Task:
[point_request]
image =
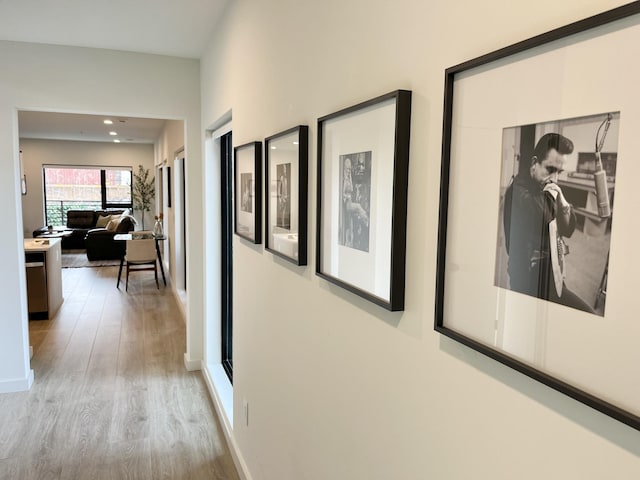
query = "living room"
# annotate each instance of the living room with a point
(83, 146)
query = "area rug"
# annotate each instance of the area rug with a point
(78, 259)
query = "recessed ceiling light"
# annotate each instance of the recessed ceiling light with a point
(116, 140)
(296, 143)
(108, 122)
(273, 147)
(113, 133)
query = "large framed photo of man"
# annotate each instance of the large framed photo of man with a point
(363, 161)
(286, 156)
(248, 191)
(537, 235)
(557, 185)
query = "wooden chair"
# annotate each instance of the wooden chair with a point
(141, 255)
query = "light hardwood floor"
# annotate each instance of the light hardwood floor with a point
(111, 397)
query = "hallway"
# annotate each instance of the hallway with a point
(111, 397)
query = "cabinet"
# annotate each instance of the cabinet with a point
(43, 263)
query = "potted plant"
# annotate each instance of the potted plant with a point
(143, 191)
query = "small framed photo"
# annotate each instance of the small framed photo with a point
(533, 270)
(248, 191)
(363, 164)
(169, 192)
(286, 159)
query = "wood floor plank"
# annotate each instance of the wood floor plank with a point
(30, 468)
(130, 460)
(130, 418)
(111, 397)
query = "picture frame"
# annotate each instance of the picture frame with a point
(532, 135)
(247, 173)
(286, 157)
(169, 190)
(363, 165)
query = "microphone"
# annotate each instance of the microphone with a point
(602, 192)
(600, 176)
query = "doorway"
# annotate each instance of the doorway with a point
(180, 224)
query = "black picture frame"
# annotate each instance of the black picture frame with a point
(363, 167)
(247, 174)
(286, 158)
(470, 308)
(169, 191)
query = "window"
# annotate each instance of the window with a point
(226, 161)
(84, 188)
(117, 188)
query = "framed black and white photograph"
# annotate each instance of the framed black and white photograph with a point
(539, 152)
(248, 191)
(355, 177)
(286, 170)
(363, 164)
(556, 209)
(169, 190)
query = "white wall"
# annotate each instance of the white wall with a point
(171, 141)
(36, 153)
(338, 388)
(83, 80)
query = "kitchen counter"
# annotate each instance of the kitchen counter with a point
(43, 262)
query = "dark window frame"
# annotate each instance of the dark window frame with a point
(226, 253)
(104, 203)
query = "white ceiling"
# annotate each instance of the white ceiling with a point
(166, 27)
(88, 128)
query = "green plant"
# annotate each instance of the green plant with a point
(143, 191)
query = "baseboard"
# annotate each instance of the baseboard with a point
(180, 301)
(20, 385)
(227, 428)
(192, 365)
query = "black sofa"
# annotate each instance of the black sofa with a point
(100, 243)
(79, 222)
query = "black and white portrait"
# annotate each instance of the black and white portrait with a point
(283, 173)
(355, 200)
(246, 192)
(556, 207)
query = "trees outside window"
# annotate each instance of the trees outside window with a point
(84, 188)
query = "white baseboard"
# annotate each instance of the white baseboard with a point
(223, 402)
(19, 385)
(192, 365)
(181, 300)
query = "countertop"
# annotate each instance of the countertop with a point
(39, 244)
